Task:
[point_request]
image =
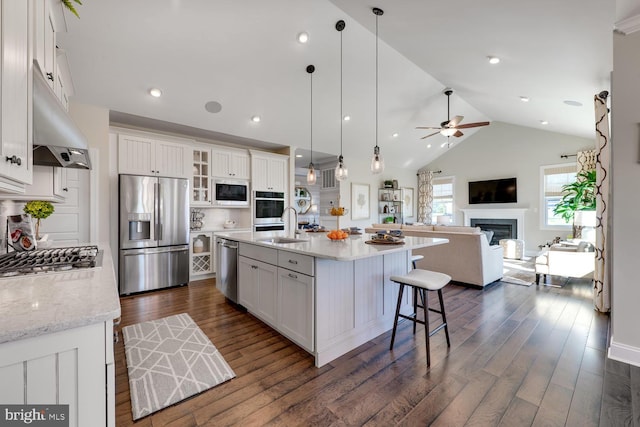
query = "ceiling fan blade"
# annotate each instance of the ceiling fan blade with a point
(431, 134)
(458, 134)
(472, 125)
(454, 122)
(427, 127)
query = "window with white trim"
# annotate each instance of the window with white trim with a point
(442, 198)
(552, 179)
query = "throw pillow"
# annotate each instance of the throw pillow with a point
(489, 234)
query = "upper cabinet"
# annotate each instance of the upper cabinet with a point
(201, 162)
(269, 171)
(146, 156)
(228, 163)
(44, 43)
(15, 87)
(49, 183)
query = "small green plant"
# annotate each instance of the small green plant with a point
(579, 196)
(69, 5)
(38, 209)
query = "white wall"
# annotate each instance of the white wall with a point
(625, 116)
(503, 150)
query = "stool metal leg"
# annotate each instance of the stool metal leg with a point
(415, 307)
(395, 322)
(444, 317)
(425, 305)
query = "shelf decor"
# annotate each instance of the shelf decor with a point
(360, 206)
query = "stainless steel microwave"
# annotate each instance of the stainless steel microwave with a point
(230, 193)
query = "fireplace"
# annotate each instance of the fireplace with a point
(503, 228)
(513, 216)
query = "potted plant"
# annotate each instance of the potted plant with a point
(388, 184)
(580, 195)
(38, 209)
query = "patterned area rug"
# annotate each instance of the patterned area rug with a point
(169, 360)
(519, 271)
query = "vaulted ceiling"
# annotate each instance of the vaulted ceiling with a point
(245, 56)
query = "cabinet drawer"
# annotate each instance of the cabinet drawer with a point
(296, 262)
(268, 255)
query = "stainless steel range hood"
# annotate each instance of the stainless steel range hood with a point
(57, 141)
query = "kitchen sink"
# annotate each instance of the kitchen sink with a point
(282, 240)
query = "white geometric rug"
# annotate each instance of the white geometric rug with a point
(169, 360)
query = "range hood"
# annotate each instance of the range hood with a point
(57, 141)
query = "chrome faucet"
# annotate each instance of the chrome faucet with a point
(296, 216)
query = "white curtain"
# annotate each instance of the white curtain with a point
(425, 196)
(602, 282)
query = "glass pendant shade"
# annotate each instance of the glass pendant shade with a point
(448, 131)
(341, 170)
(377, 162)
(311, 175)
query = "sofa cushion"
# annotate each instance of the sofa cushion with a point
(456, 229)
(489, 234)
(389, 226)
(417, 227)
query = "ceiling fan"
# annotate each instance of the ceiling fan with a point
(451, 127)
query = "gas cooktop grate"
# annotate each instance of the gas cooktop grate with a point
(48, 260)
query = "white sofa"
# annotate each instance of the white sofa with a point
(575, 259)
(467, 258)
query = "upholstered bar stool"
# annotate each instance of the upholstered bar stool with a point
(423, 281)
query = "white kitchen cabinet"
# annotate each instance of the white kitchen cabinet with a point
(202, 251)
(228, 163)
(73, 367)
(200, 182)
(295, 307)
(139, 155)
(49, 183)
(258, 289)
(269, 171)
(15, 88)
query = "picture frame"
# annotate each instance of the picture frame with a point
(360, 201)
(407, 201)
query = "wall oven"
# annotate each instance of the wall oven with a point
(230, 193)
(268, 207)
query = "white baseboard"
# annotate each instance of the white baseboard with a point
(624, 353)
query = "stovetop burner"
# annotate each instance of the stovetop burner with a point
(48, 260)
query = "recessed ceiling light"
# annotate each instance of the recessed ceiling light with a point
(493, 60)
(255, 119)
(573, 103)
(298, 155)
(428, 145)
(395, 134)
(346, 118)
(544, 122)
(303, 37)
(155, 92)
(524, 98)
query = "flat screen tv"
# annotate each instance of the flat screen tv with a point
(493, 191)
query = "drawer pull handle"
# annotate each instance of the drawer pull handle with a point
(14, 159)
(293, 276)
(254, 266)
(293, 261)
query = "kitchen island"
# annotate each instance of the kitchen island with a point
(56, 341)
(328, 297)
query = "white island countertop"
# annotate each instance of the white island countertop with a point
(320, 246)
(43, 303)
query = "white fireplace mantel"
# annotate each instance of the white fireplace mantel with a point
(485, 213)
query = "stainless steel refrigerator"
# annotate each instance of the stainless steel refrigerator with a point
(154, 233)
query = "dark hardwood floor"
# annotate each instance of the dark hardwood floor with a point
(519, 356)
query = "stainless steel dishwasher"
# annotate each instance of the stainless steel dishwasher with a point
(227, 273)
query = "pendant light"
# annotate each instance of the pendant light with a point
(341, 170)
(311, 173)
(377, 162)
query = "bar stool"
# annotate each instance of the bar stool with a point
(423, 281)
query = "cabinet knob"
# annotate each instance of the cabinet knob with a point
(14, 159)
(65, 189)
(50, 76)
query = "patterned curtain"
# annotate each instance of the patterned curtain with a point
(586, 160)
(602, 274)
(425, 196)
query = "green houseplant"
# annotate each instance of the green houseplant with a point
(580, 195)
(69, 5)
(38, 209)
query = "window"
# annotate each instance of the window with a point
(552, 180)
(442, 198)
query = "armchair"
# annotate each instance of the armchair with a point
(566, 259)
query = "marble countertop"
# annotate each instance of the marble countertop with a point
(50, 302)
(319, 245)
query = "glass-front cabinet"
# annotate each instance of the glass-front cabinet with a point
(200, 182)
